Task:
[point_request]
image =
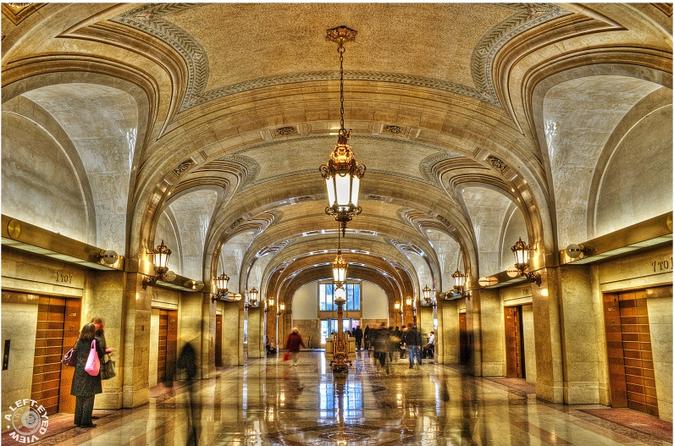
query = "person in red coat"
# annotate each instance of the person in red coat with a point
(293, 344)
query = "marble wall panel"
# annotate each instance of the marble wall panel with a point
(637, 270)
(374, 301)
(660, 320)
(19, 325)
(305, 302)
(310, 329)
(31, 273)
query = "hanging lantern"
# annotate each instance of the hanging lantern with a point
(339, 267)
(342, 173)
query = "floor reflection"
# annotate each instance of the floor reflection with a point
(271, 403)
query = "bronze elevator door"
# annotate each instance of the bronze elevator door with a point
(514, 341)
(168, 340)
(629, 352)
(218, 340)
(57, 330)
(464, 341)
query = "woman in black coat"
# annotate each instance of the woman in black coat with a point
(85, 387)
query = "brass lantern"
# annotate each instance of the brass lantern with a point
(222, 283)
(339, 267)
(160, 257)
(252, 297)
(427, 293)
(459, 280)
(342, 173)
(521, 251)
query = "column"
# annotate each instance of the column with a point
(492, 333)
(191, 316)
(232, 337)
(104, 299)
(447, 336)
(547, 336)
(473, 326)
(425, 320)
(134, 360)
(255, 337)
(579, 319)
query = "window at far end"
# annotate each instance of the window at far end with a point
(326, 297)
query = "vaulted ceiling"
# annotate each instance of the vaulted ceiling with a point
(225, 111)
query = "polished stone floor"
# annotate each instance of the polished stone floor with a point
(268, 402)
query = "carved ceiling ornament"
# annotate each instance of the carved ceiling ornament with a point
(497, 163)
(149, 19)
(183, 167)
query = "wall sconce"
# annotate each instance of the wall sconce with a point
(459, 282)
(222, 291)
(427, 294)
(281, 308)
(252, 301)
(397, 307)
(521, 252)
(160, 257)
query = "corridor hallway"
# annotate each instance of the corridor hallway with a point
(268, 402)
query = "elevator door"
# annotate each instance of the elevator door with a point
(168, 339)
(57, 330)
(464, 341)
(514, 342)
(218, 340)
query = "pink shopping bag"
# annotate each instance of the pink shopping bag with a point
(93, 366)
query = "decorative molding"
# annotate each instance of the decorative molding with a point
(18, 12)
(497, 163)
(148, 18)
(183, 167)
(666, 8)
(527, 16)
(428, 165)
(393, 129)
(286, 131)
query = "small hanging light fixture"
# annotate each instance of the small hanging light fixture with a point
(339, 265)
(342, 173)
(160, 257)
